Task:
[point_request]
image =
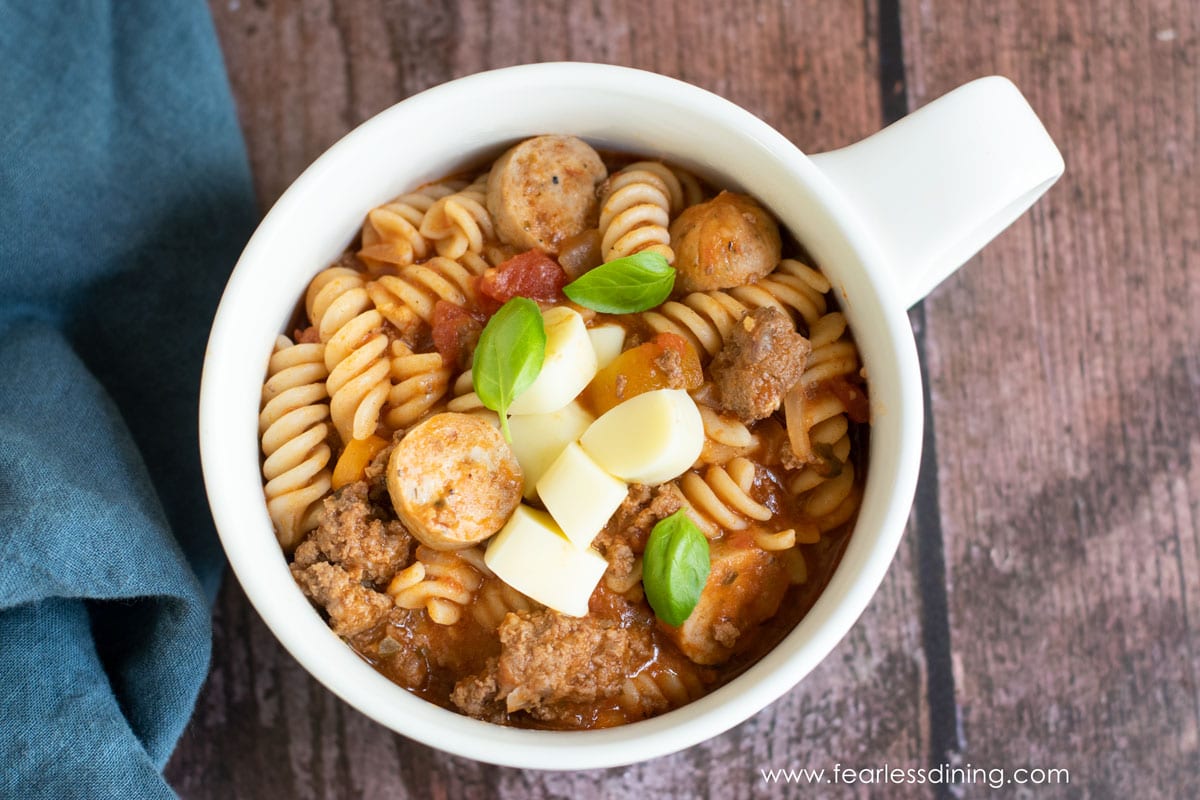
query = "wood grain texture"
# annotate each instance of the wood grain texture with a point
(1065, 384)
(1042, 611)
(305, 73)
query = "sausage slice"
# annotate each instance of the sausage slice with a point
(453, 481)
(543, 191)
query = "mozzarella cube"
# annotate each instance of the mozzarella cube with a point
(533, 556)
(607, 341)
(569, 364)
(579, 495)
(650, 438)
(538, 439)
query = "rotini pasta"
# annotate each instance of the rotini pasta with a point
(496, 600)
(460, 222)
(706, 318)
(293, 433)
(635, 211)
(391, 234)
(725, 437)
(419, 382)
(355, 350)
(441, 583)
(807, 404)
(721, 499)
(406, 300)
(653, 691)
(465, 401)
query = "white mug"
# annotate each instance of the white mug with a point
(885, 219)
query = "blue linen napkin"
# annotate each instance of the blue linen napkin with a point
(125, 198)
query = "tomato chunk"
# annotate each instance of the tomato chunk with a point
(853, 397)
(455, 333)
(532, 274)
(665, 362)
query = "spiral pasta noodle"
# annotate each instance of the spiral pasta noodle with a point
(818, 427)
(441, 583)
(706, 318)
(807, 404)
(725, 437)
(496, 600)
(636, 210)
(406, 300)
(418, 383)
(391, 234)
(721, 498)
(658, 689)
(355, 350)
(293, 434)
(465, 401)
(460, 222)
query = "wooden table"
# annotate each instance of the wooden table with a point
(1044, 608)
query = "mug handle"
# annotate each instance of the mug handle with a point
(936, 186)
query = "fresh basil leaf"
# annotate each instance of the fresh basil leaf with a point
(625, 285)
(509, 356)
(675, 568)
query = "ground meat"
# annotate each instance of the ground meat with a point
(642, 508)
(375, 474)
(670, 364)
(353, 535)
(476, 696)
(547, 658)
(352, 607)
(762, 359)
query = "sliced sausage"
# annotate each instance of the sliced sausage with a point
(543, 190)
(453, 481)
(745, 587)
(725, 242)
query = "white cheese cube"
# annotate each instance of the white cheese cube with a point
(607, 341)
(533, 556)
(650, 438)
(538, 439)
(569, 365)
(580, 495)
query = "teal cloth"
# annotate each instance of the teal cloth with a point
(125, 199)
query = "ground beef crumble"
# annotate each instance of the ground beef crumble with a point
(547, 658)
(353, 533)
(349, 558)
(762, 358)
(641, 509)
(352, 607)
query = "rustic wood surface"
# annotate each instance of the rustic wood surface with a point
(1042, 610)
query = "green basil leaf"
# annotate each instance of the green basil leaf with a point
(629, 284)
(509, 356)
(675, 568)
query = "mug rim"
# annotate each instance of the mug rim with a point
(328, 659)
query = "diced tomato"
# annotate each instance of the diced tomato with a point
(532, 274)
(853, 397)
(455, 333)
(665, 362)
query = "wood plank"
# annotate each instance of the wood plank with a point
(303, 74)
(1065, 377)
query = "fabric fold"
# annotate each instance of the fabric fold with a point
(125, 198)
